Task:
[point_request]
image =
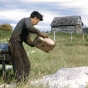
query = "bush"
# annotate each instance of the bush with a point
(6, 27)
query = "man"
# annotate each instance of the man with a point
(21, 33)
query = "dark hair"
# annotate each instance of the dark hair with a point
(37, 15)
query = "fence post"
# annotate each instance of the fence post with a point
(54, 35)
(71, 37)
(83, 37)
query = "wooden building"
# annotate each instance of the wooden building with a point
(67, 24)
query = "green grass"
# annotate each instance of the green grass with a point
(66, 54)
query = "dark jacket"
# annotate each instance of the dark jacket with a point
(23, 30)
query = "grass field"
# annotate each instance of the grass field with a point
(65, 54)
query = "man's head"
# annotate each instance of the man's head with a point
(36, 17)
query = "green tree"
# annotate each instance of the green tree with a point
(6, 27)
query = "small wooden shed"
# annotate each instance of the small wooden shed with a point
(67, 24)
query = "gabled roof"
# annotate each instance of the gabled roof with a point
(68, 20)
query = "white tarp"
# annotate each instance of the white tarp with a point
(66, 78)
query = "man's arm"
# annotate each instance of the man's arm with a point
(33, 29)
(36, 31)
(29, 42)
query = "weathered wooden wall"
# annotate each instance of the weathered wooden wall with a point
(68, 29)
(64, 29)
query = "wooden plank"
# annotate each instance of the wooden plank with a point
(3, 60)
(4, 70)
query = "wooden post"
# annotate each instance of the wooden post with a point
(71, 37)
(83, 37)
(54, 35)
(3, 68)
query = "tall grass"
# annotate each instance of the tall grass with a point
(66, 54)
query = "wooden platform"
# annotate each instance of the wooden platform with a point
(5, 57)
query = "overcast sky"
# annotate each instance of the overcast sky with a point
(11, 11)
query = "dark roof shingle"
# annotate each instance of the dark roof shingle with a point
(68, 20)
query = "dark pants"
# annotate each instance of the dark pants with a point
(20, 61)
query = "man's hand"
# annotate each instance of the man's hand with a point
(44, 35)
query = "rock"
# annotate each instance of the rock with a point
(66, 78)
